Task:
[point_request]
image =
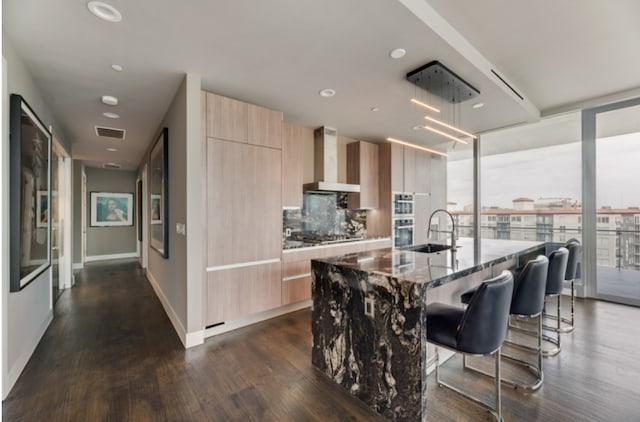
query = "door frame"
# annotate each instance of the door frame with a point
(589, 206)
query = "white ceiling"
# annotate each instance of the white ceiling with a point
(280, 53)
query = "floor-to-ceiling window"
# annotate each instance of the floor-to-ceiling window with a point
(612, 141)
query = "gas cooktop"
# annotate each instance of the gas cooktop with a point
(325, 239)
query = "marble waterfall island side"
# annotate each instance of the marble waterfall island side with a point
(368, 320)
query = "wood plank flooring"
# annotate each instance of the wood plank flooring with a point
(111, 354)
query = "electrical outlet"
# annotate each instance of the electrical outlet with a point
(369, 306)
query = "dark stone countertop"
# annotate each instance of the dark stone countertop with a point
(297, 244)
(435, 268)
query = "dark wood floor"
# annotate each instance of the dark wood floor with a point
(111, 354)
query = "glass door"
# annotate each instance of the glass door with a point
(612, 257)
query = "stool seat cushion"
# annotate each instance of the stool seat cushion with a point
(442, 324)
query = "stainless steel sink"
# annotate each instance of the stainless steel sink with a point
(428, 248)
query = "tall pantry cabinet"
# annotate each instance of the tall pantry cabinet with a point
(243, 208)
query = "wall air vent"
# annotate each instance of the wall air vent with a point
(508, 86)
(109, 132)
(111, 166)
(437, 79)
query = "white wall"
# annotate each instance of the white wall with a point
(25, 314)
(178, 279)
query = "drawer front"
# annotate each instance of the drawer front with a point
(296, 289)
(293, 269)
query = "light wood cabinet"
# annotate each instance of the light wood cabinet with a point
(296, 266)
(227, 118)
(238, 292)
(422, 211)
(409, 170)
(396, 153)
(422, 172)
(244, 210)
(265, 127)
(293, 138)
(362, 169)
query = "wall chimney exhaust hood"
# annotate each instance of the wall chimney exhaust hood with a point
(326, 164)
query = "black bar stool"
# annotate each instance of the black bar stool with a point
(558, 261)
(527, 303)
(575, 248)
(479, 329)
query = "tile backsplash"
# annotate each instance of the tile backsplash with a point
(325, 214)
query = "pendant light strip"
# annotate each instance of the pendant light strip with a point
(446, 135)
(433, 151)
(425, 105)
(450, 127)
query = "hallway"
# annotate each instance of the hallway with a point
(111, 354)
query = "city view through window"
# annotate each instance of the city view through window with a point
(535, 194)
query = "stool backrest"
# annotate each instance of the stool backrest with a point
(529, 287)
(574, 248)
(557, 269)
(484, 324)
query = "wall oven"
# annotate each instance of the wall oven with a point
(402, 232)
(402, 204)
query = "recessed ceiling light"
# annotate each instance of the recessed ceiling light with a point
(397, 53)
(417, 127)
(116, 67)
(374, 109)
(112, 149)
(111, 115)
(327, 92)
(109, 100)
(104, 11)
(478, 105)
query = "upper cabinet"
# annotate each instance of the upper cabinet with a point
(422, 172)
(362, 169)
(410, 169)
(227, 118)
(233, 120)
(265, 127)
(293, 138)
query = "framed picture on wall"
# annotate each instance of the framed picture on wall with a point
(42, 207)
(111, 209)
(29, 195)
(156, 209)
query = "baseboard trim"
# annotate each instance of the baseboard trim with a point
(188, 339)
(23, 359)
(112, 256)
(256, 318)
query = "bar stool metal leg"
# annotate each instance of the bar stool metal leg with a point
(497, 411)
(536, 370)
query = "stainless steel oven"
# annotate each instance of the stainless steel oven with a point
(402, 205)
(402, 232)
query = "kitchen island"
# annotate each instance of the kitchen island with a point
(368, 319)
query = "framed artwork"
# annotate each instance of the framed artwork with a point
(111, 209)
(159, 194)
(139, 208)
(156, 209)
(42, 207)
(29, 193)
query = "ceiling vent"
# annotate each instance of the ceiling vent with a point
(109, 132)
(111, 166)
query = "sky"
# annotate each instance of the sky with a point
(552, 172)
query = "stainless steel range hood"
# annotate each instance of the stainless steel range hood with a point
(326, 164)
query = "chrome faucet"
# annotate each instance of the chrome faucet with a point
(453, 227)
